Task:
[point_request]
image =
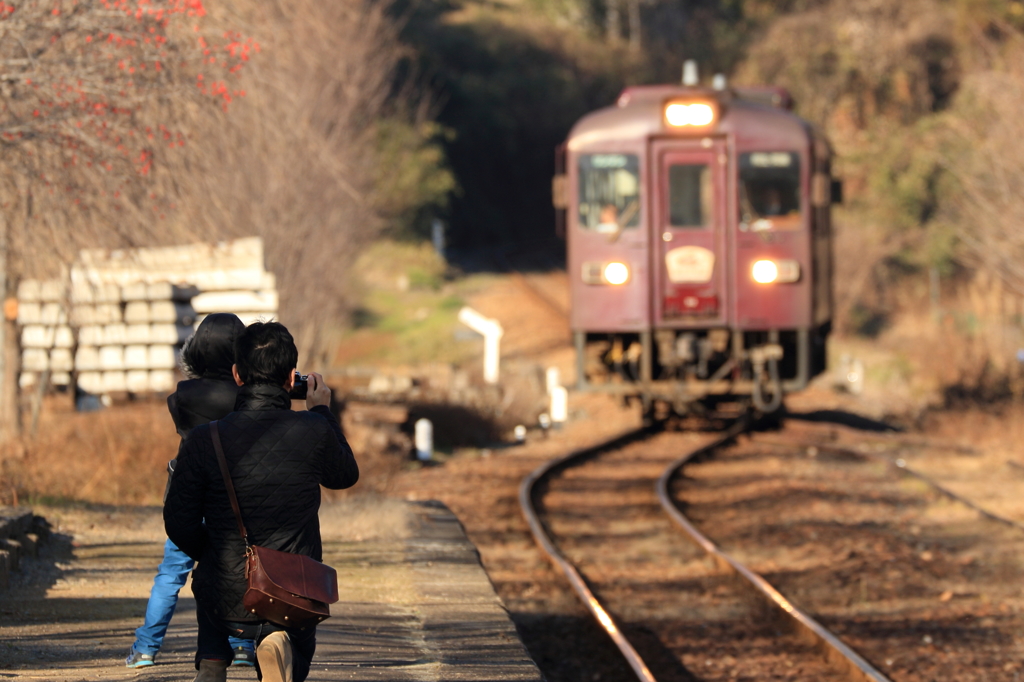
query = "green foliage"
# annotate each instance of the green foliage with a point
(881, 79)
(424, 279)
(512, 82)
(511, 78)
(918, 146)
(906, 183)
(452, 302)
(412, 177)
(866, 321)
(409, 310)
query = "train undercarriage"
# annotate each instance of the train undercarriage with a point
(698, 372)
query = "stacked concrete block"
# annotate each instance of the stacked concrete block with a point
(119, 329)
(139, 352)
(121, 317)
(46, 337)
(223, 277)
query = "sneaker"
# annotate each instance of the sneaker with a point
(275, 656)
(137, 659)
(244, 656)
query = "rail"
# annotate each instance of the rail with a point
(836, 651)
(901, 465)
(579, 584)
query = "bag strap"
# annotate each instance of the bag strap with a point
(219, 449)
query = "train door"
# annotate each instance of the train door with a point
(689, 240)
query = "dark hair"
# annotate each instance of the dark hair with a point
(210, 351)
(265, 353)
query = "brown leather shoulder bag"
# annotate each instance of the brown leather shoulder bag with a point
(288, 589)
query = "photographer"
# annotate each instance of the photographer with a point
(278, 460)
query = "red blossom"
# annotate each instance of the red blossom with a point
(94, 112)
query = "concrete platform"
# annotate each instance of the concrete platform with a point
(440, 620)
(417, 608)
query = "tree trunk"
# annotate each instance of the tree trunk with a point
(5, 406)
(634, 25)
(612, 21)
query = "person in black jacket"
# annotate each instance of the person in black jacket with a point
(278, 460)
(206, 358)
(209, 393)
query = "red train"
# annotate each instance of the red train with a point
(699, 247)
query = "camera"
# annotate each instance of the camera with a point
(300, 387)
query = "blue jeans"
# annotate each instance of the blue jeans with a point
(170, 578)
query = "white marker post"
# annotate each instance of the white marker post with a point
(424, 437)
(492, 333)
(559, 405)
(520, 433)
(552, 379)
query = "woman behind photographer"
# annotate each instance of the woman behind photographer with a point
(208, 394)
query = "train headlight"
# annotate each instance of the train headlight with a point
(603, 272)
(770, 271)
(616, 273)
(696, 114)
(765, 271)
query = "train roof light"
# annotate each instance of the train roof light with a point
(690, 114)
(690, 75)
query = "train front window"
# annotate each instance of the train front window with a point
(609, 192)
(769, 191)
(689, 195)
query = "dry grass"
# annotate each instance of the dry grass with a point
(116, 456)
(119, 457)
(364, 517)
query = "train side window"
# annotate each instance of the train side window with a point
(609, 192)
(689, 195)
(769, 191)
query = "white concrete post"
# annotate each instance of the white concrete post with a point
(855, 377)
(559, 405)
(424, 440)
(552, 379)
(492, 333)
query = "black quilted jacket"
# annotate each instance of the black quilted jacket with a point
(208, 355)
(278, 460)
(200, 401)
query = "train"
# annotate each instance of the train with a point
(698, 237)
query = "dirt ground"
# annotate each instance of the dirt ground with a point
(71, 613)
(924, 587)
(974, 452)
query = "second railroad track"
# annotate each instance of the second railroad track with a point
(635, 524)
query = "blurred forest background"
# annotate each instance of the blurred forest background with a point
(355, 124)
(363, 120)
(921, 100)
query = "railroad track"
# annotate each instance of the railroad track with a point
(845, 662)
(901, 465)
(579, 584)
(546, 492)
(835, 650)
